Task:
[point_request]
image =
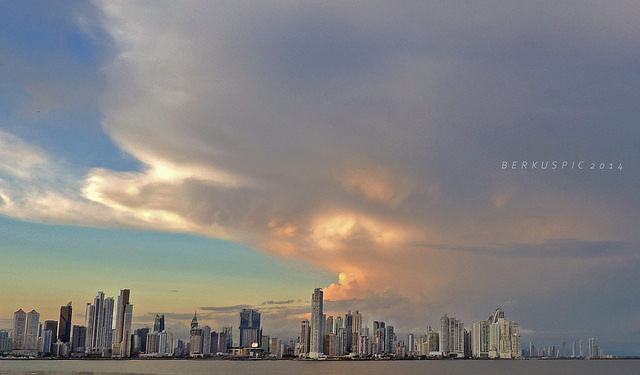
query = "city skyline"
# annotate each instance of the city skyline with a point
(326, 336)
(410, 160)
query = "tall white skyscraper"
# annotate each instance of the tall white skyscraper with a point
(98, 320)
(315, 347)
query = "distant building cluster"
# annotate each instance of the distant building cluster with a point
(105, 335)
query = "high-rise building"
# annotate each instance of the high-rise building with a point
(5, 341)
(195, 337)
(44, 341)
(480, 339)
(19, 327)
(305, 337)
(206, 340)
(31, 332)
(316, 344)
(214, 343)
(356, 329)
(153, 343)
(411, 344)
(228, 334)
(99, 321)
(79, 340)
(275, 346)
(379, 339)
(348, 325)
(165, 344)
(124, 312)
(195, 342)
(158, 324)
(391, 339)
(223, 340)
(451, 337)
(51, 325)
(64, 325)
(249, 328)
(592, 348)
(496, 337)
(140, 340)
(341, 341)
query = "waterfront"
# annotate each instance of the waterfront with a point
(265, 367)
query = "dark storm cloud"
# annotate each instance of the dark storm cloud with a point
(342, 134)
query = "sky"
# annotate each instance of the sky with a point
(406, 157)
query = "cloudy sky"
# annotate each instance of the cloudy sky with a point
(219, 155)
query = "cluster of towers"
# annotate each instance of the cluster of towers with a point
(336, 336)
(97, 337)
(496, 337)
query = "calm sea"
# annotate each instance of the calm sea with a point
(198, 367)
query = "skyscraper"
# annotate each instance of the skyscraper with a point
(98, 321)
(52, 326)
(158, 324)
(315, 347)
(451, 337)
(122, 341)
(390, 338)
(19, 326)
(64, 325)
(79, 339)
(228, 335)
(195, 337)
(249, 328)
(379, 339)
(5, 341)
(31, 332)
(348, 325)
(356, 329)
(206, 340)
(305, 337)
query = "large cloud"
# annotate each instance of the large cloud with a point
(369, 140)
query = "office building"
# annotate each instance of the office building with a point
(250, 332)
(78, 340)
(64, 324)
